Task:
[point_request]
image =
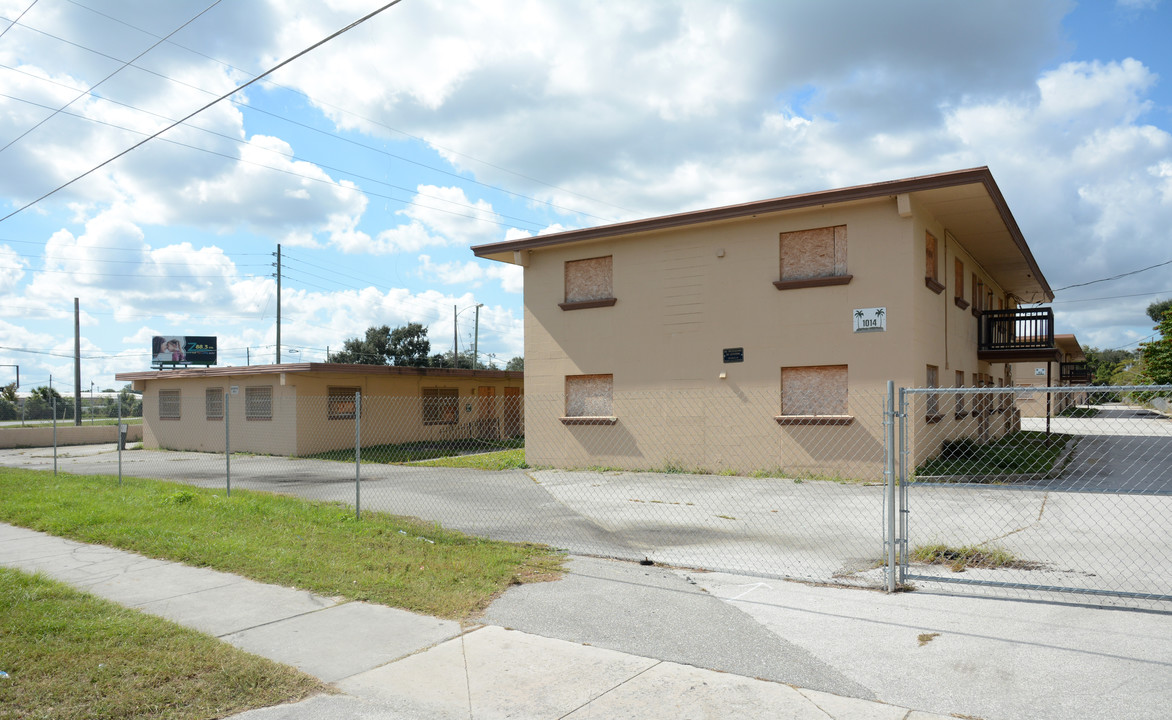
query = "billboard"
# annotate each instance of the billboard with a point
(183, 350)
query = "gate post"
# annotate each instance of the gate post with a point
(902, 414)
(889, 478)
(358, 456)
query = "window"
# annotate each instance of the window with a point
(958, 289)
(812, 258)
(441, 406)
(932, 409)
(988, 298)
(213, 400)
(978, 295)
(814, 395)
(959, 396)
(258, 403)
(589, 283)
(932, 265)
(340, 402)
(589, 400)
(169, 405)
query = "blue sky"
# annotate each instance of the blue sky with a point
(378, 159)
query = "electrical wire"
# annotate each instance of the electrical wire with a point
(1115, 277)
(192, 114)
(116, 71)
(14, 23)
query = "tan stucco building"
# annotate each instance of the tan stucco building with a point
(1067, 369)
(305, 408)
(796, 311)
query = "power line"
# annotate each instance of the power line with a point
(1112, 297)
(380, 124)
(192, 114)
(120, 69)
(1115, 277)
(15, 22)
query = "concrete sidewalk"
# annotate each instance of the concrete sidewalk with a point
(389, 663)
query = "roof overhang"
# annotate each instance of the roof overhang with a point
(967, 203)
(317, 369)
(1068, 345)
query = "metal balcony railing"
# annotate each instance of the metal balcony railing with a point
(1019, 330)
(1078, 373)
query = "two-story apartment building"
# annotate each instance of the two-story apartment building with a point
(766, 332)
(1068, 369)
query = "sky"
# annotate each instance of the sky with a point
(377, 159)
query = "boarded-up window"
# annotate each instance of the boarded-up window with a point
(932, 264)
(170, 405)
(441, 406)
(589, 395)
(958, 291)
(590, 279)
(988, 299)
(932, 408)
(816, 253)
(978, 293)
(213, 400)
(340, 403)
(814, 390)
(258, 403)
(959, 396)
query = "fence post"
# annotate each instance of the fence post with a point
(358, 456)
(54, 398)
(120, 436)
(227, 449)
(889, 472)
(903, 481)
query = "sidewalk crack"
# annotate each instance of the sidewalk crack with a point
(611, 689)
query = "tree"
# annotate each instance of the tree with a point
(1157, 309)
(1157, 355)
(8, 392)
(405, 345)
(39, 405)
(8, 403)
(1102, 364)
(516, 364)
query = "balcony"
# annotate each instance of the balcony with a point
(1075, 373)
(1019, 335)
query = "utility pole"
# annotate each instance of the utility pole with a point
(76, 362)
(476, 338)
(278, 303)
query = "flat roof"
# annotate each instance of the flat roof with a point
(315, 367)
(967, 202)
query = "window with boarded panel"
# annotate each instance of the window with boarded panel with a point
(814, 391)
(213, 400)
(340, 402)
(958, 285)
(589, 283)
(932, 264)
(258, 403)
(932, 409)
(589, 396)
(441, 406)
(170, 405)
(813, 257)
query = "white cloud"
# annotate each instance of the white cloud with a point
(473, 273)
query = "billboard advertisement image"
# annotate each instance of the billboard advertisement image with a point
(183, 350)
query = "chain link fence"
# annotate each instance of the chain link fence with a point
(1041, 492)
(1019, 491)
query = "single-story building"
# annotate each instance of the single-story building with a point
(305, 408)
(1068, 368)
(762, 335)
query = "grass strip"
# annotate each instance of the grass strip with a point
(386, 559)
(500, 460)
(958, 559)
(1019, 453)
(72, 655)
(423, 450)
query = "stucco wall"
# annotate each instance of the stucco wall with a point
(17, 437)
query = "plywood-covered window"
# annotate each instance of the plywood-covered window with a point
(340, 402)
(932, 264)
(589, 283)
(959, 396)
(170, 405)
(958, 285)
(932, 406)
(814, 394)
(213, 401)
(810, 258)
(589, 400)
(258, 402)
(441, 406)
